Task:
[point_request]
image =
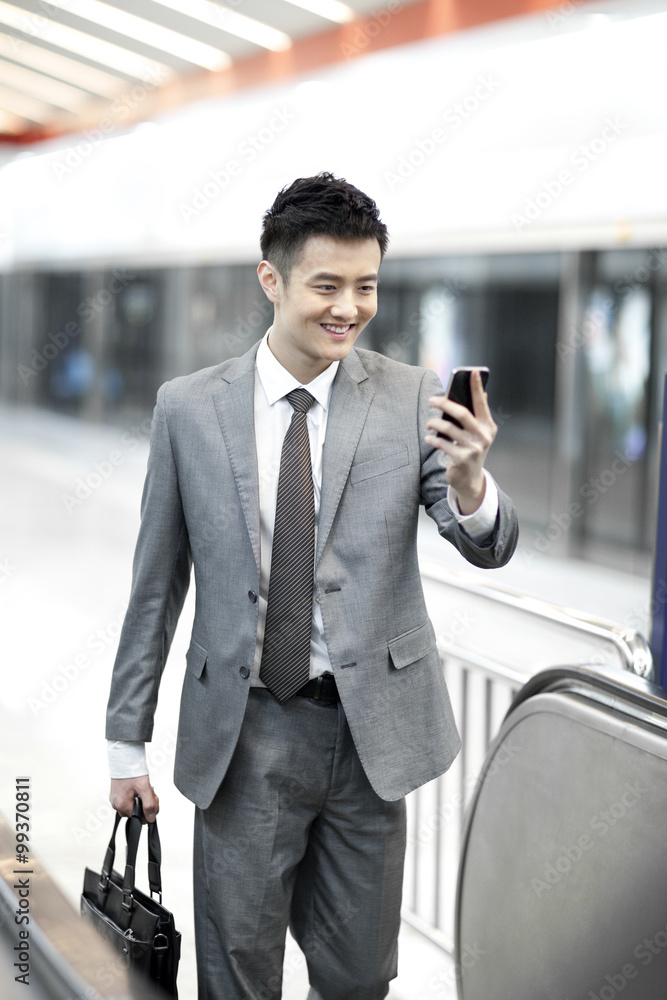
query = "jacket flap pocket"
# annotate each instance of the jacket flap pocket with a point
(376, 466)
(196, 658)
(412, 645)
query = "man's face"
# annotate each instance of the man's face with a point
(330, 297)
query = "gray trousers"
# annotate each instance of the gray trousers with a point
(297, 837)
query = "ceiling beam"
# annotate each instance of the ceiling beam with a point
(394, 25)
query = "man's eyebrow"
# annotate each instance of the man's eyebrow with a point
(326, 276)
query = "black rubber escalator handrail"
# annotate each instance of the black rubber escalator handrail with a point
(619, 683)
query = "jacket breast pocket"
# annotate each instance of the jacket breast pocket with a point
(196, 658)
(378, 466)
(411, 646)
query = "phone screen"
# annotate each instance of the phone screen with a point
(459, 391)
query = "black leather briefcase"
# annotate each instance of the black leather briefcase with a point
(138, 926)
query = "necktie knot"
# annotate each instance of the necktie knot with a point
(300, 400)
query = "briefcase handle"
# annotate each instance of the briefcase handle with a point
(132, 833)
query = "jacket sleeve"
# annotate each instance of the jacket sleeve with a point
(160, 580)
(496, 550)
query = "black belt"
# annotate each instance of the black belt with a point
(323, 688)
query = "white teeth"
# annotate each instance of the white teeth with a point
(336, 329)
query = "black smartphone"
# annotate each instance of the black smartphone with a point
(459, 391)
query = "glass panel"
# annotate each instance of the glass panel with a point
(500, 311)
(229, 313)
(69, 372)
(129, 370)
(617, 354)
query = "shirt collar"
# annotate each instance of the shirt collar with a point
(277, 381)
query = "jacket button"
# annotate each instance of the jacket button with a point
(244, 672)
(253, 596)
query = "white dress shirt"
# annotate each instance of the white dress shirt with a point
(273, 414)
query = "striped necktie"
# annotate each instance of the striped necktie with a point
(285, 665)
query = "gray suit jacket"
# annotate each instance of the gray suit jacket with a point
(200, 507)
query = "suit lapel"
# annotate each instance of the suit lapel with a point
(351, 397)
(234, 401)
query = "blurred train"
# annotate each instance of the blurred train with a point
(520, 169)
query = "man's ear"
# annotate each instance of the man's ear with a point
(270, 280)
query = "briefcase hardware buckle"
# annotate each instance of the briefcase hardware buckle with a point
(161, 947)
(128, 902)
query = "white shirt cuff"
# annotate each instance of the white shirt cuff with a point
(126, 759)
(481, 522)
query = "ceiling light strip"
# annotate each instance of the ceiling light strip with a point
(11, 125)
(26, 107)
(88, 46)
(147, 32)
(217, 16)
(61, 95)
(331, 10)
(78, 74)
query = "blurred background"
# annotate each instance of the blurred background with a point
(517, 152)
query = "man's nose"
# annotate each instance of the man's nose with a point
(345, 307)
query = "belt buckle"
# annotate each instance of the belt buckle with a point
(318, 687)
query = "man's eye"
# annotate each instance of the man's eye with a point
(367, 288)
(325, 288)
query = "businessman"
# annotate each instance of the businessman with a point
(314, 699)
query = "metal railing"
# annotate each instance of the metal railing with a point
(477, 626)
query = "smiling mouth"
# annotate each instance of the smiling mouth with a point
(337, 330)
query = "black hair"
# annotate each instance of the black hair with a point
(323, 205)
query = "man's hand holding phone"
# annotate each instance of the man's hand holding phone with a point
(465, 437)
